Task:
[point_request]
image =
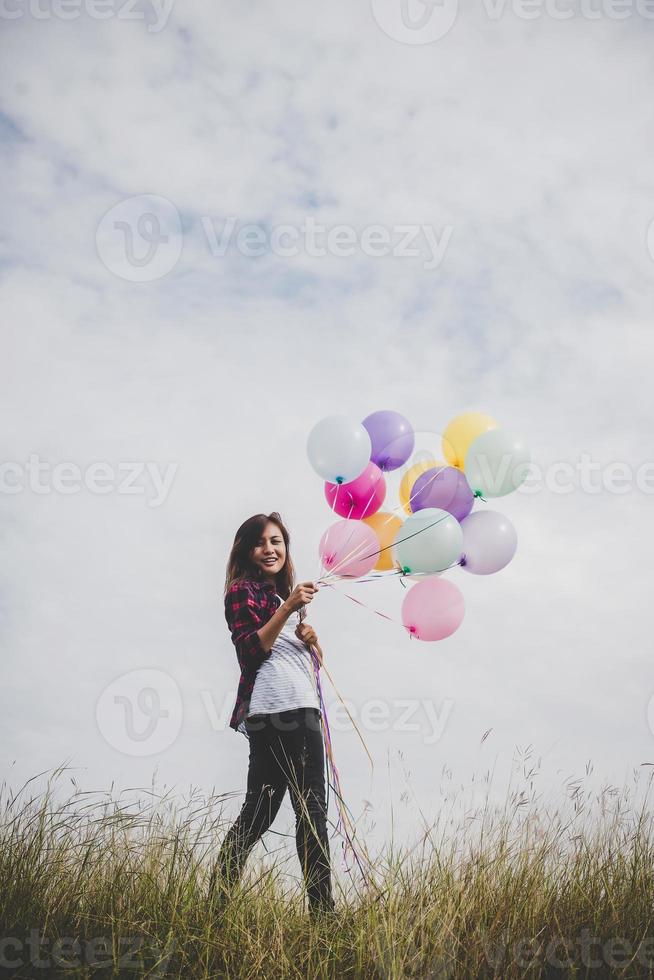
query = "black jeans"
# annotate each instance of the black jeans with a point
(286, 752)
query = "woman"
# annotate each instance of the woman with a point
(277, 706)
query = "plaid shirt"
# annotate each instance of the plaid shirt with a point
(248, 606)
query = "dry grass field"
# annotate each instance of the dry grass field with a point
(97, 886)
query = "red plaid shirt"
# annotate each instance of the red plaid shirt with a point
(248, 606)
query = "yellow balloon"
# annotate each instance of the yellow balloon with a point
(385, 527)
(410, 477)
(460, 432)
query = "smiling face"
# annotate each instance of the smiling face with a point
(269, 554)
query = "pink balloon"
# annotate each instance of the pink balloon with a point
(358, 498)
(351, 542)
(433, 609)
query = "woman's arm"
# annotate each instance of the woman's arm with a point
(271, 630)
(252, 637)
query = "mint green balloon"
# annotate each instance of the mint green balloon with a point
(429, 541)
(497, 462)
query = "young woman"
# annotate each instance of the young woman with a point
(277, 706)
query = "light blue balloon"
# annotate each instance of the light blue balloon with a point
(429, 541)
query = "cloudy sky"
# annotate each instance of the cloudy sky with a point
(176, 320)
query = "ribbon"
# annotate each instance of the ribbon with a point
(344, 825)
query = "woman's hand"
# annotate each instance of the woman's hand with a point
(301, 595)
(306, 633)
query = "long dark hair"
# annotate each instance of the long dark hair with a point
(240, 565)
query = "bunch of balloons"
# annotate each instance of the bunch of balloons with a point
(437, 528)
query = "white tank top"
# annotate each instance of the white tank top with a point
(286, 678)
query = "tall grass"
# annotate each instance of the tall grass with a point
(118, 887)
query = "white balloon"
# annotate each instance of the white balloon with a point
(339, 448)
(489, 541)
(497, 462)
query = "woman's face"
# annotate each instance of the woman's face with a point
(269, 554)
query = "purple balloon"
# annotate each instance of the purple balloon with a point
(445, 487)
(392, 439)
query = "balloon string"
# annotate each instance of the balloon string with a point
(410, 629)
(344, 545)
(339, 564)
(344, 825)
(331, 680)
(390, 513)
(326, 734)
(374, 577)
(330, 528)
(320, 565)
(314, 659)
(353, 553)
